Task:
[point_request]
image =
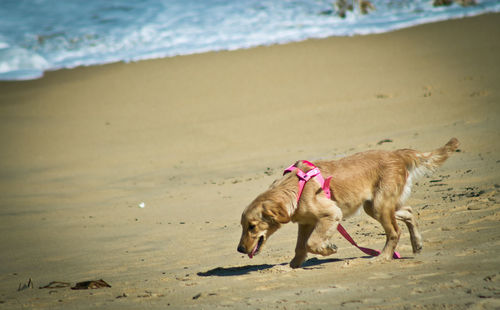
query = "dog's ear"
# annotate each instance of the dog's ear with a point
(275, 211)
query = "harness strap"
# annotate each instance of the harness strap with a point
(325, 185)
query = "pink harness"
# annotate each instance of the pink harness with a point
(325, 185)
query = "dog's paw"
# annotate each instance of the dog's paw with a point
(417, 248)
(332, 248)
(294, 264)
(416, 244)
(297, 262)
(325, 249)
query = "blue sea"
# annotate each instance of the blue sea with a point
(42, 35)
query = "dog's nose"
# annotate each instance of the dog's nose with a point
(242, 249)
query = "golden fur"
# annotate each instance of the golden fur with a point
(378, 181)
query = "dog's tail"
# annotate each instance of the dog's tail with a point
(420, 163)
(433, 160)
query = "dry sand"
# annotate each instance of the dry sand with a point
(196, 138)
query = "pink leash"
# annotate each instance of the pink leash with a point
(315, 173)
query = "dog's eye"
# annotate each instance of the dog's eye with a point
(251, 227)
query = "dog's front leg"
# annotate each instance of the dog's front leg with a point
(305, 231)
(320, 240)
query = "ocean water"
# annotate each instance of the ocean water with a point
(42, 35)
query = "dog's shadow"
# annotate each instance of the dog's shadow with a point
(242, 270)
(234, 271)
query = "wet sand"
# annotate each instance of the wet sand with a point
(196, 138)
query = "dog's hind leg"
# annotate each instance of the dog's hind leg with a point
(305, 231)
(384, 212)
(385, 215)
(405, 214)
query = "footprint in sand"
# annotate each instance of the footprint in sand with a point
(479, 93)
(428, 91)
(383, 96)
(469, 252)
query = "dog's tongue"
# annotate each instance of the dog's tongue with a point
(253, 251)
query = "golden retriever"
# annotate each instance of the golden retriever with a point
(378, 181)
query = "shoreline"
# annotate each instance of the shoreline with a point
(196, 138)
(124, 62)
(325, 26)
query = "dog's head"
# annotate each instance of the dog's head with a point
(259, 221)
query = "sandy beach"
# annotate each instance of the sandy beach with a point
(137, 174)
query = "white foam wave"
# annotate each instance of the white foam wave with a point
(18, 63)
